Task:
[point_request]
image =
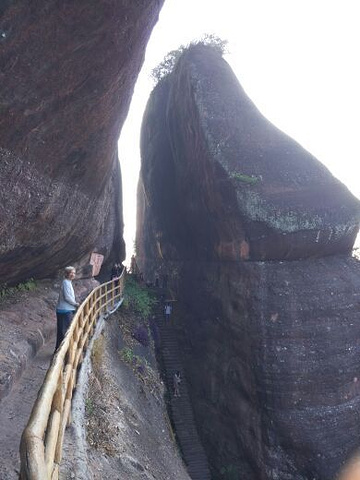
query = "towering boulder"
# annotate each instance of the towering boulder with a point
(256, 235)
(284, 204)
(67, 73)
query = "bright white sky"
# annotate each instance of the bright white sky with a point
(298, 60)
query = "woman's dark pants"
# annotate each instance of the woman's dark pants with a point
(63, 323)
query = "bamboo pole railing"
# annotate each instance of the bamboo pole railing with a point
(42, 439)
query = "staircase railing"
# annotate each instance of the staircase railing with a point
(42, 440)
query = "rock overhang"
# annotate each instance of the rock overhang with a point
(68, 71)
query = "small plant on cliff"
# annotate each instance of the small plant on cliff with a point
(89, 407)
(127, 355)
(249, 179)
(168, 64)
(138, 297)
(139, 365)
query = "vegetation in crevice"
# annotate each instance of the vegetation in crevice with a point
(7, 292)
(248, 179)
(138, 298)
(89, 406)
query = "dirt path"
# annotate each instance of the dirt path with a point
(15, 410)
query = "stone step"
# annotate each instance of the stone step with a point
(181, 411)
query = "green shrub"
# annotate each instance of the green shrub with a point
(140, 365)
(127, 355)
(138, 297)
(167, 65)
(27, 286)
(249, 179)
(89, 406)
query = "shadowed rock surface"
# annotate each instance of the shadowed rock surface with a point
(67, 73)
(256, 236)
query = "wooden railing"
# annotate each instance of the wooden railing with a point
(42, 439)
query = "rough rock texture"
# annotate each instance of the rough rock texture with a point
(266, 197)
(67, 72)
(256, 236)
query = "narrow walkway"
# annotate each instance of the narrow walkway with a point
(15, 410)
(181, 410)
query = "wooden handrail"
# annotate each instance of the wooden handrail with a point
(42, 439)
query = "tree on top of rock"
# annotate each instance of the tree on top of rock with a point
(167, 65)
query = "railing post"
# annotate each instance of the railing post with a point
(53, 430)
(113, 294)
(95, 306)
(91, 310)
(60, 408)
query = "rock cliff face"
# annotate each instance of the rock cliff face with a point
(67, 74)
(256, 236)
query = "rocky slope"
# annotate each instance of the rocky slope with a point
(123, 431)
(67, 75)
(256, 236)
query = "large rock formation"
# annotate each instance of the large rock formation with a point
(67, 73)
(256, 235)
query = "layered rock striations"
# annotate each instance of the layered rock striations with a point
(256, 236)
(67, 74)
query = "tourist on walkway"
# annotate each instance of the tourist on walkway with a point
(177, 381)
(167, 312)
(115, 275)
(66, 305)
(115, 271)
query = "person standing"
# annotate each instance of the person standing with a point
(167, 312)
(114, 271)
(66, 305)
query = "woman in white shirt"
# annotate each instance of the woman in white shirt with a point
(66, 305)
